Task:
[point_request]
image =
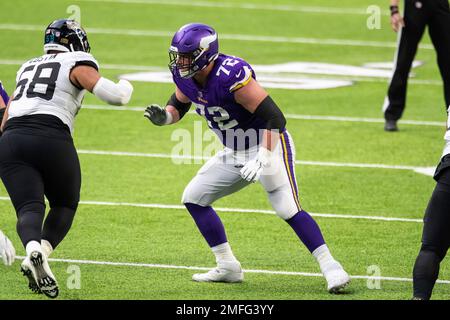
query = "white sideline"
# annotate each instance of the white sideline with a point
(235, 37)
(194, 268)
(246, 6)
(239, 210)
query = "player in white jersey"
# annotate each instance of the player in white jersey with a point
(37, 154)
(436, 228)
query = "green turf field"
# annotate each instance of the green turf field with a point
(141, 249)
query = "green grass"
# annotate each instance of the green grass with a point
(127, 234)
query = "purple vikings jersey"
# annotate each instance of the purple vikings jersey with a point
(236, 127)
(3, 94)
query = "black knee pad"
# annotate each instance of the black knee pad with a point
(436, 236)
(34, 207)
(438, 251)
(29, 221)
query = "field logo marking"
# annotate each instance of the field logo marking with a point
(291, 75)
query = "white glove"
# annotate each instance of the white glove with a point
(7, 250)
(252, 169)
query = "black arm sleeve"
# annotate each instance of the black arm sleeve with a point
(269, 111)
(182, 108)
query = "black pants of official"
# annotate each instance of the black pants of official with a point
(33, 166)
(417, 15)
(436, 234)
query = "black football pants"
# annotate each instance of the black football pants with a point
(417, 15)
(32, 166)
(435, 238)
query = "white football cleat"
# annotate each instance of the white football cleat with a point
(224, 272)
(41, 279)
(337, 279)
(26, 270)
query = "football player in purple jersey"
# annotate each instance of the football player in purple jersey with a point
(4, 96)
(257, 147)
(4, 99)
(7, 251)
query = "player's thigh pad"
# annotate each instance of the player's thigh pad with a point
(279, 179)
(217, 178)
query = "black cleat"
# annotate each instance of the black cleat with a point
(390, 125)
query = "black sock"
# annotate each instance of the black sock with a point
(425, 274)
(57, 225)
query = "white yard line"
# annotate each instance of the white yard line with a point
(358, 119)
(13, 62)
(245, 6)
(238, 210)
(301, 162)
(195, 268)
(288, 116)
(224, 36)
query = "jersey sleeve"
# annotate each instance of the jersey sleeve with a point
(80, 58)
(19, 73)
(239, 75)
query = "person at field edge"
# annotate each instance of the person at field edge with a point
(436, 229)
(418, 14)
(37, 154)
(258, 147)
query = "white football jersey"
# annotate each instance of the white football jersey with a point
(447, 135)
(44, 87)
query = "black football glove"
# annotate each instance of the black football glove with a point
(156, 114)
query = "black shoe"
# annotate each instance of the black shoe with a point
(390, 125)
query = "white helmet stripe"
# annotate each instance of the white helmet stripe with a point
(205, 42)
(54, 46)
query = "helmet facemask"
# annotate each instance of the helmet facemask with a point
(184, 63)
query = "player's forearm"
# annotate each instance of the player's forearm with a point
(173, 116)
(395, 2)
(270, 139)
(113, 93)
(177, 106)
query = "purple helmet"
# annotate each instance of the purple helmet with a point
(193, 47)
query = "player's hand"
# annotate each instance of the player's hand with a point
(7, 250)
(252, 169)
(397, 22)
(156, 114)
